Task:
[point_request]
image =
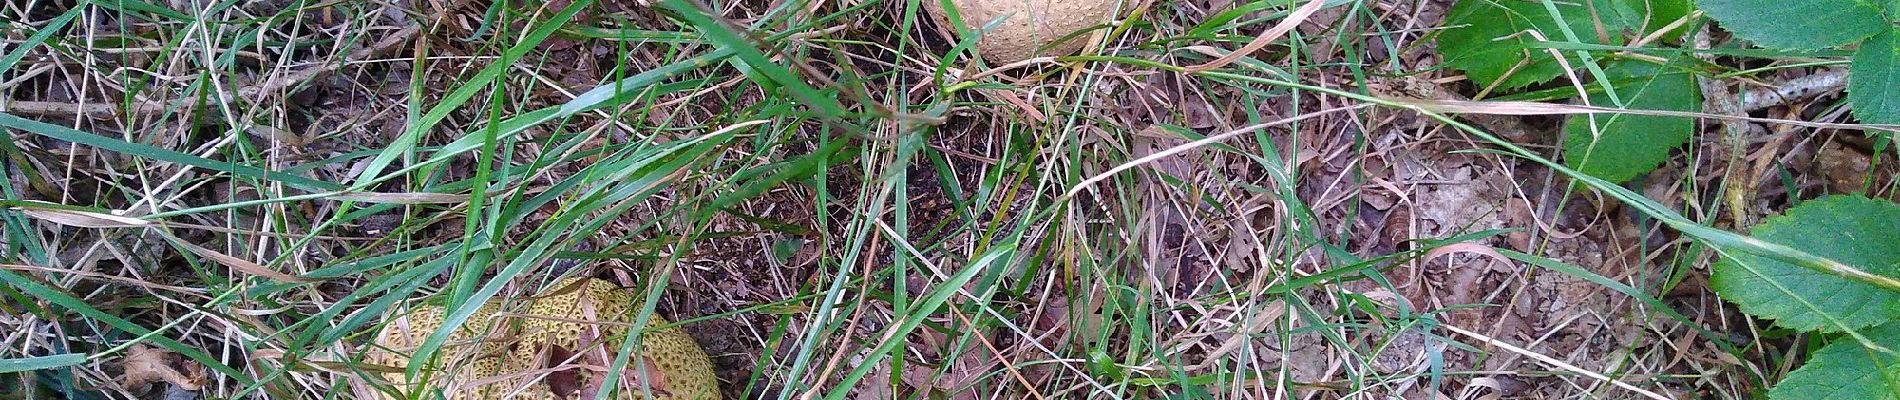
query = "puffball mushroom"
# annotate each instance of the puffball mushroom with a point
(1029, 25)
(469, 357)
(560, 347)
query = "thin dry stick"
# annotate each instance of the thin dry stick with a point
(1553, 362)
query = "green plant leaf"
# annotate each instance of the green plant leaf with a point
(1624, 146)
(1486, 39)
(1846, 370)
(1799, 25)
(1851, 229)
(1873, 81)
(1660, 13)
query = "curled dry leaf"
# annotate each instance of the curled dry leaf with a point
(144, 365)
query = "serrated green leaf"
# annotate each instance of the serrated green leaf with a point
(1873, 81)
(1624, 146)
(1799, 25)
(1846, 370)
(1851, 229)
(1486, 39)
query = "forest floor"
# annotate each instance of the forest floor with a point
(835, 200)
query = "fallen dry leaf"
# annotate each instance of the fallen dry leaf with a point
(144, 364)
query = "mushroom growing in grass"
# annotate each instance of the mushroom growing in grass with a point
(465, 360)
(1029, 27)
(560, 347)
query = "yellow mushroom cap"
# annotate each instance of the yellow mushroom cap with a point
(464, 360)
(1030, 24)
(558, 348)
(584, 320)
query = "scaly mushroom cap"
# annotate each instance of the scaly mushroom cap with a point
(577, 329)
(559, 348)
(1030, 25)
(463, 361)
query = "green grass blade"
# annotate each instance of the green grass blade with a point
(992, 261)
(155, 153)
(19, 51)
(727, 39)
(454, 100)
(8, 365)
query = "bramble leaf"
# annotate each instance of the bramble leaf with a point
(1873, 82)
(1799, 25)
(1846, 370)
(1626, 145)
(1487, 38)
(1854, 230)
